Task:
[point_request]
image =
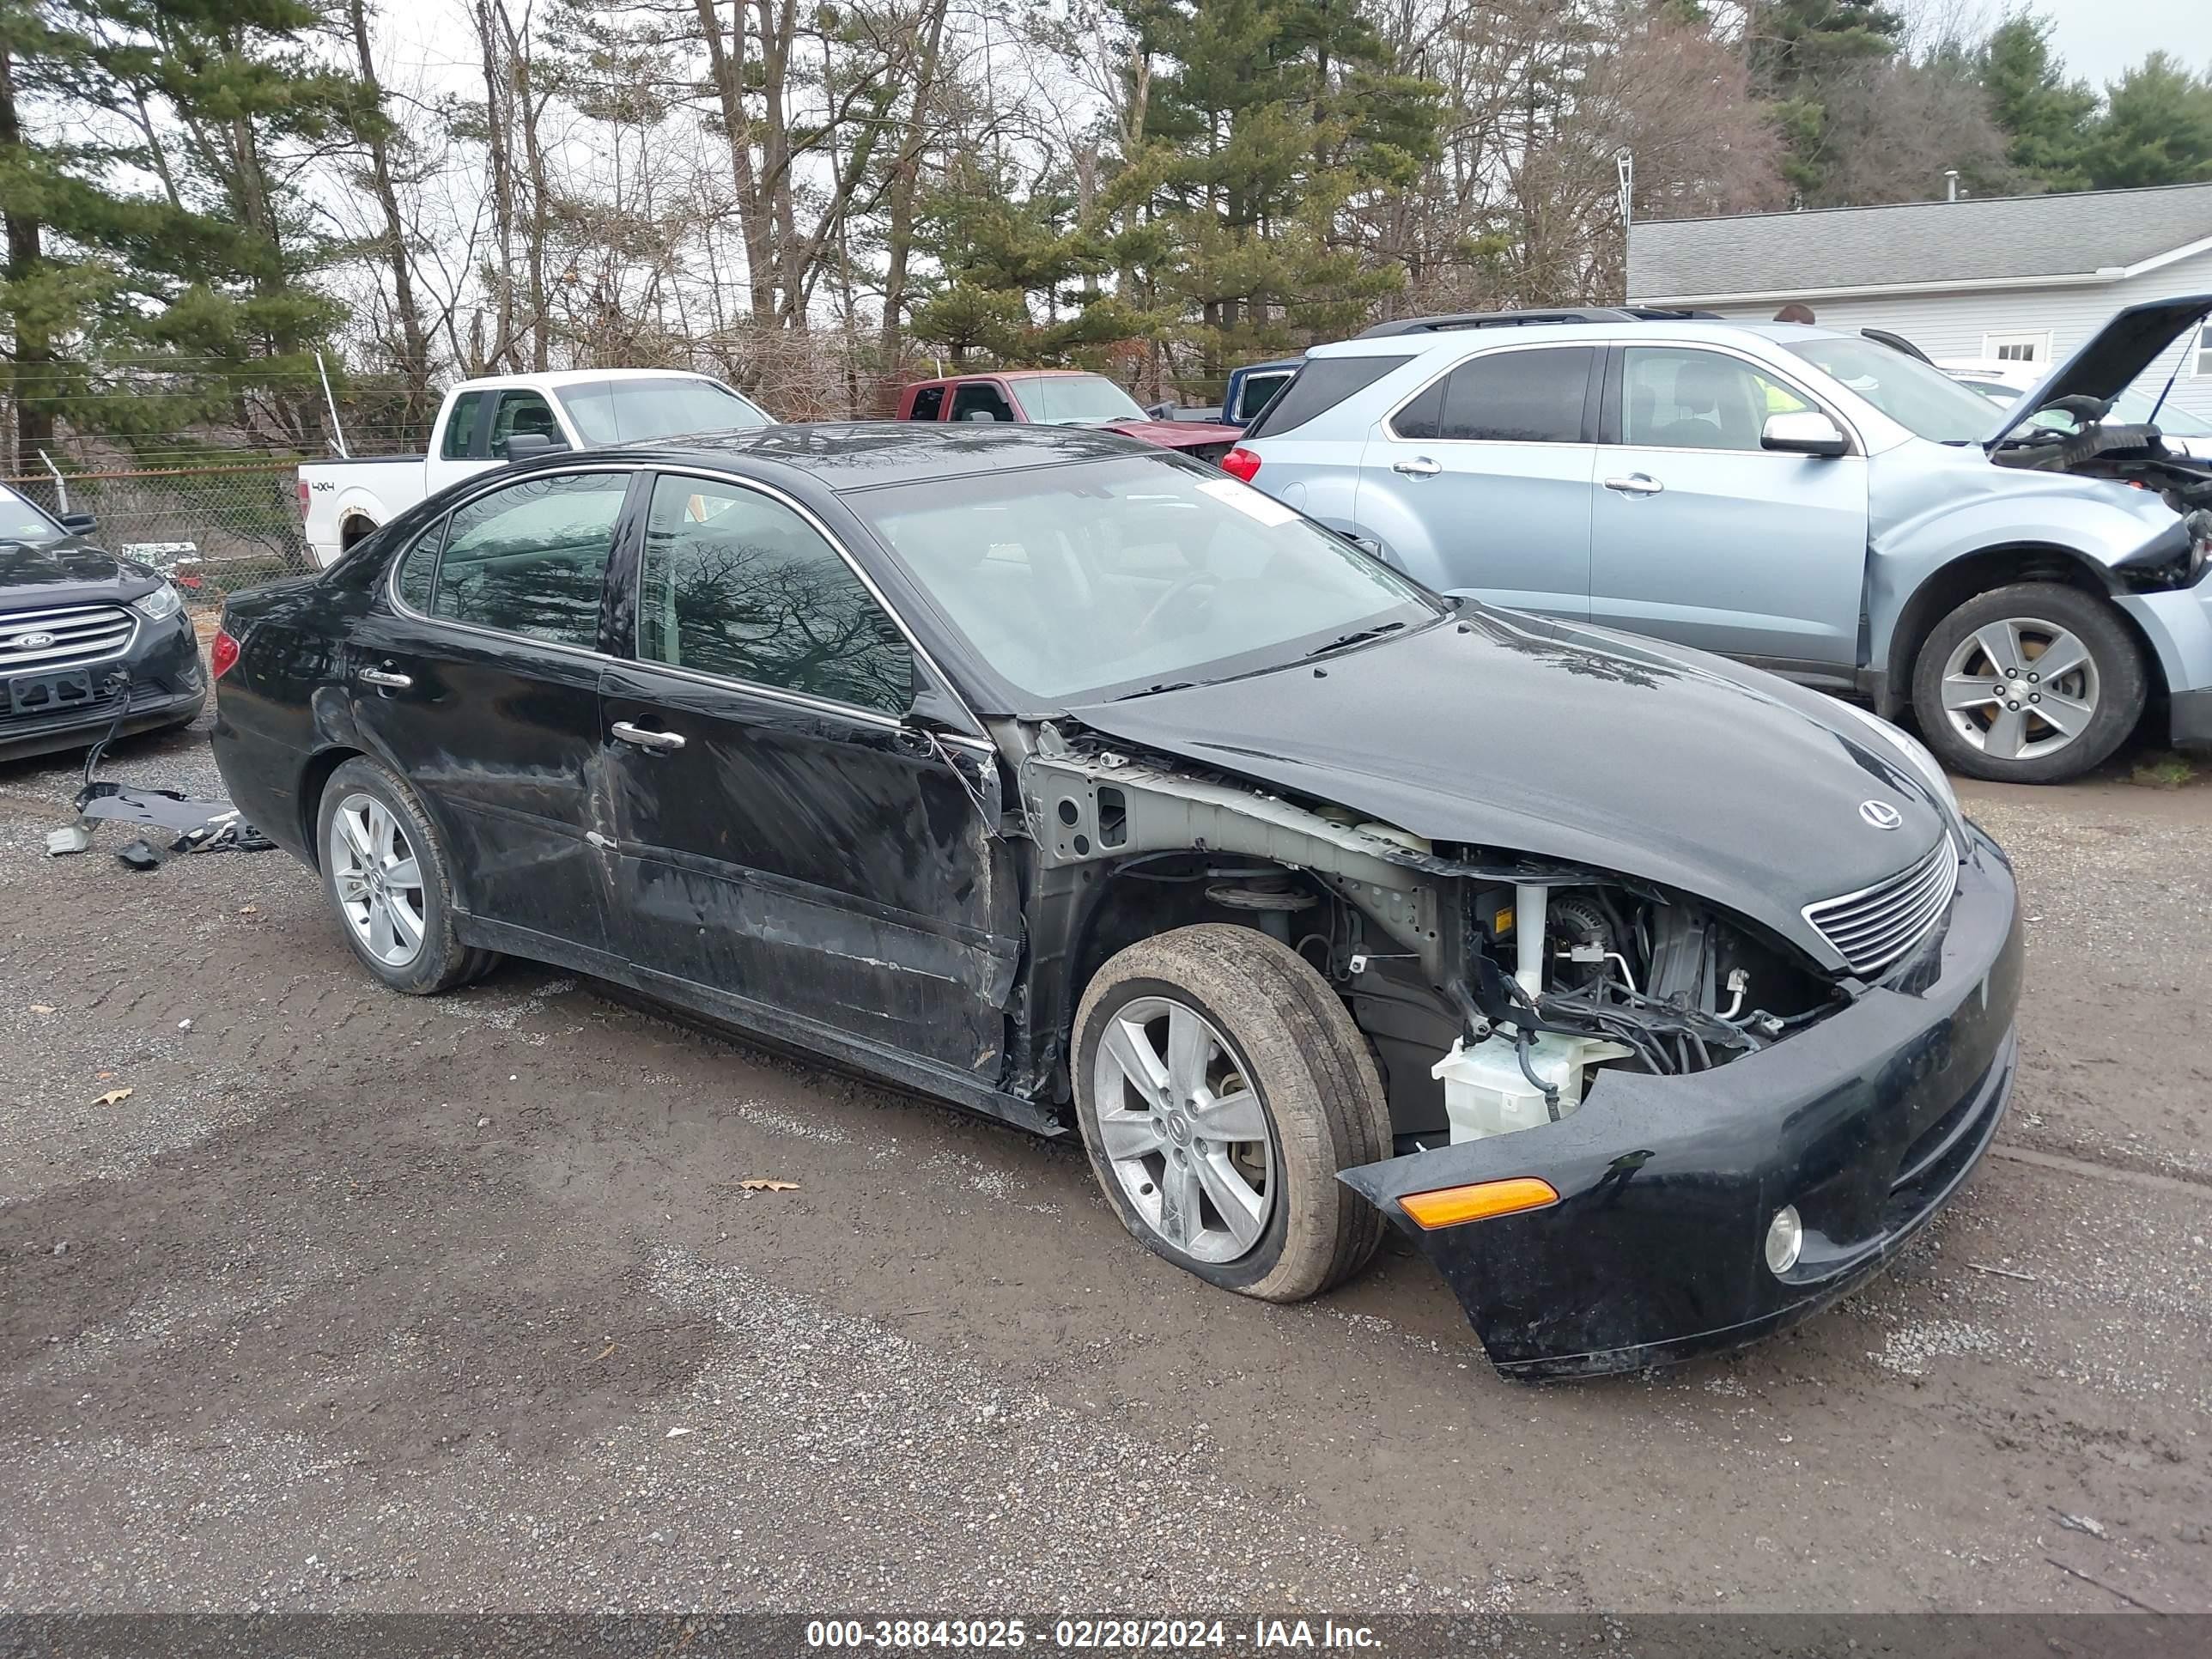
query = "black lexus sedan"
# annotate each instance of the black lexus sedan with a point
(1656, 1000)
(84, 635)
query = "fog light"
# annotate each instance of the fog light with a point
(1785, 1236)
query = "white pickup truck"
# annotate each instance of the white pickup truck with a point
(478, 428)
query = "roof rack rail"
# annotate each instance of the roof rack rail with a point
(1527, 318)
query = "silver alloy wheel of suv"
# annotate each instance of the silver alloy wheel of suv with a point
(2020, 688)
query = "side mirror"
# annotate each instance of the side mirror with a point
(528, 446)
(979, 415)
(1804, 431)
(79, 524)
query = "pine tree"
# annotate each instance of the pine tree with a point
(2046, 119)
(1797, 48)
(2156, 130)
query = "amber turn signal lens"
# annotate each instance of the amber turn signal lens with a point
(1448, 1206)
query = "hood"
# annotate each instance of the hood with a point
(2112, 359)
(68, 571)
(1564, 743)
(1172, 435)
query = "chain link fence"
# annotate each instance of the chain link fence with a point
(213, 530)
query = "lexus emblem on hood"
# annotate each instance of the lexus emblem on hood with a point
(1880, 814)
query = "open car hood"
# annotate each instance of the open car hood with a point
(2109, 361)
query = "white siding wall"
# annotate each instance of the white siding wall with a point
(1954, 324)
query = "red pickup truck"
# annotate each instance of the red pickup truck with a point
(1058, 397)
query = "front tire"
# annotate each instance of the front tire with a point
(2031, 684)
(388, 882)
(1220, 1085)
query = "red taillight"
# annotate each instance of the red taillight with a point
(222, 653)
(303, 498)
(1241, 463)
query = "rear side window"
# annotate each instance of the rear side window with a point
(1534, 397)
(1256, 393)
(979, 400)
(532, 558)
(421, 568)
(461, 430)
(928, 404)
(737, 584)
(1319, 386)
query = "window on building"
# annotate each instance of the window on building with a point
(2030, 348)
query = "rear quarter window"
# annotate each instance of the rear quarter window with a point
(1319, 386)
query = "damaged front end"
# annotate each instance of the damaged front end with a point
(1629, 1124)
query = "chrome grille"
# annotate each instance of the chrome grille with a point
(1876, 925)
(74, 634)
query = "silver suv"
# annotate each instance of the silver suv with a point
(1822, 504)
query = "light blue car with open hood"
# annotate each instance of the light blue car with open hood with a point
(1819, 503)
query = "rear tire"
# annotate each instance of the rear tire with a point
(1986, 709)
(389, 883)
(1286, 1094)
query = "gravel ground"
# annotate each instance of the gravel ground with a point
(364, 1302)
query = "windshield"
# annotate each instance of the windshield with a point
(1075, 400)
(22, 522)
(1919, 397)
(632, 411)
(1118, 576)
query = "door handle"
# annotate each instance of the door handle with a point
(1417, 466)
(1636, 483)
(385, 678)
(663, 742)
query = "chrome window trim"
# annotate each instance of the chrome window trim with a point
(1851, 430)
(775, 693)
(1497, 350)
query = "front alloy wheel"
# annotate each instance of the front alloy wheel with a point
(1183, 1130)
(2031, 684)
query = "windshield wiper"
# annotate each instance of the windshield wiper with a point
(1358, 636)
(1149, 690)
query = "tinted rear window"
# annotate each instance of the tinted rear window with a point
(1320, 385)
(1507, 397)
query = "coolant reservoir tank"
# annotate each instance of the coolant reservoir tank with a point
(1487, 1093)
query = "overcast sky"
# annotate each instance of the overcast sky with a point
(2099, 38)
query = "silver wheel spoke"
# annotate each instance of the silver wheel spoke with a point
(352, 886)
(1231, 1117)
(2006, 734)
(1244, 1212)
(2000, 642)
(1190, 1046)
(1139, 1063)
(405, 873)
(2068, 715)
(1178, 1203)
(1123, 1135)
(356, 832)
(1967, 691)
(2060, 657)
(382, 830)
(380, 928)
(404, 924)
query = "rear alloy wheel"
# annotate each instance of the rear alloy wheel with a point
(2031, 684)
(386, 874)
(1220, 1087)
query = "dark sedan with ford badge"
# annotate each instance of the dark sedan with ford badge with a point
(85, 637)
(1656, 1000)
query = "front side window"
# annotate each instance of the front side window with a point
(461, 427)
(737, 584)
(928, 404)
(1113, 576)
(1674, 398)
(1077, 400)
(1533, 396)
(532, 558)
(980, 400)
(655, 406)
(521, 412)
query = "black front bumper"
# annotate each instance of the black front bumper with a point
(1867, 1122)
(167, 688)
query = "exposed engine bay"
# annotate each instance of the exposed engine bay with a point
(2129, 453)
(1492, 989)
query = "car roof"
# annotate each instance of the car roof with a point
(1458, 342)
(842, 455)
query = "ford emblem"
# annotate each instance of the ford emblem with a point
(1880, 814)
(29, 642)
